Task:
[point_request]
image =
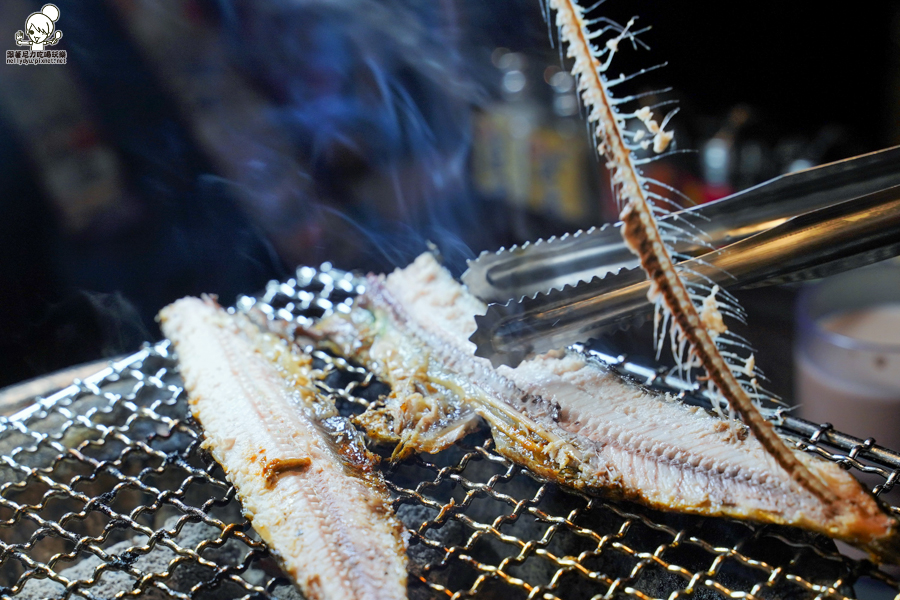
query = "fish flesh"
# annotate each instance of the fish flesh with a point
(302, 473)
(567, 417)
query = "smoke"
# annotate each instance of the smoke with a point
(83, 326)
(312, 130)
(376, 101)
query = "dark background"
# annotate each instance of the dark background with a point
(255, 136)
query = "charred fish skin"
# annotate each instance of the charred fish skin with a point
(302, 473)
(568, 418)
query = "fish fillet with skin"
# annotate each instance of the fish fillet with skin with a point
(567, 417)
(303, 476)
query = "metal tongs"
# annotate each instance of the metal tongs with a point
(800, 226)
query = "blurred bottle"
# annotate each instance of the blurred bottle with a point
(560, 154)
(720, 156)
(530, 149)
(503, 134)
(77, 166)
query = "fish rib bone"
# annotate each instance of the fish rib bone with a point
(642, 235)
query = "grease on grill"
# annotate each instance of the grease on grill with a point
(107, 491)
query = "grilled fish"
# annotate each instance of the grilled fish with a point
(567, 417)
(302, 473)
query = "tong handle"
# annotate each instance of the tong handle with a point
(554, 263)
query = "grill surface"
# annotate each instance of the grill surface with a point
(105, 492)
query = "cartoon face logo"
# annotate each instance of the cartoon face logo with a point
(40, 29)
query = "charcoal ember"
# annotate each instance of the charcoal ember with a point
(786, 548)
(425, 554)
(112, 581)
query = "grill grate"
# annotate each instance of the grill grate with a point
(105, 492)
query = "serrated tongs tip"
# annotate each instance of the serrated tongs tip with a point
(559, 291)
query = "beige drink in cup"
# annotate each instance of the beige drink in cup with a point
(847, 353)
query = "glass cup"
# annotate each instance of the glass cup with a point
(847, 353)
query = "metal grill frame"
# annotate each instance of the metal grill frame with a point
(108, 415)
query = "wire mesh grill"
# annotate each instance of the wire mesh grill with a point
(105, 492)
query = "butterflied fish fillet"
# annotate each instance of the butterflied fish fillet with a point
(303, 476)
(567, 417)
